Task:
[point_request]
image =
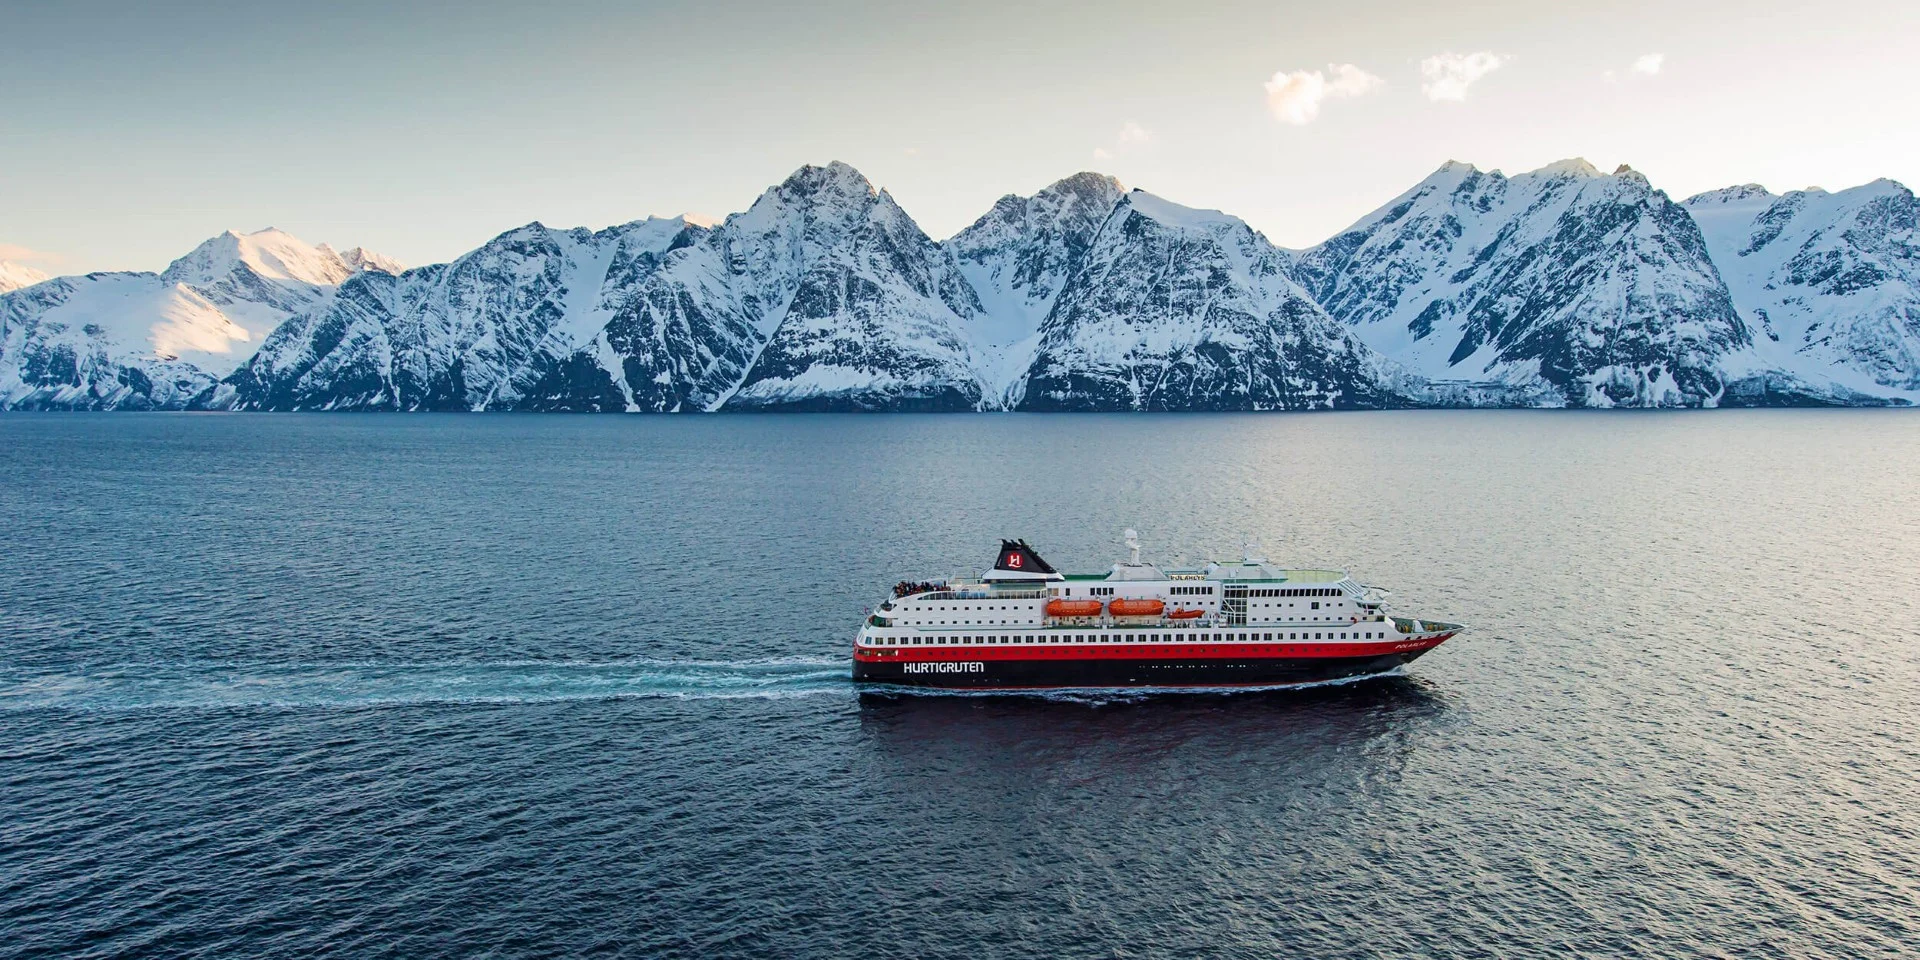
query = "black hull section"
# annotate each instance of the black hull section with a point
(1058, 674)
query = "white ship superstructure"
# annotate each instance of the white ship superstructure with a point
(1024, 624)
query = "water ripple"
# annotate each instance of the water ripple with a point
(420, 687)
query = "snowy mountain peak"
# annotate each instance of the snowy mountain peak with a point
(809, 210)
(1088, 187)
(531, 230)
(1175, 215)
(1570, 167)
(269, 254)
(13, 276)
(1560, 283)
(834, 178)
(1630, 175)
(1176, 308)
(1885, 187)
(1725, 195)
(361, 259)
(1018, 257)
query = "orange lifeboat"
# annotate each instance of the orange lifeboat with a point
(1136, 608)
(1073, 608)
(1185, 614)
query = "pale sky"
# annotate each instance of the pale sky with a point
(132, 131)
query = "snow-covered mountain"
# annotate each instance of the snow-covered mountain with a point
(13, 276)
(861, 309)
(360, 258)
(107, 341)
(824, 295)
(672, 337)
(1562, 284)
(473, 334)
(1557, 287)
(1173, 308)
(145, 340)
(1830, 282)
(1018, 257)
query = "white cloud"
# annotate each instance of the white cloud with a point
(20, 254)
(1296, 97)
(13, 251)
(1131, 135)
(1649, 64)
(1448, 75)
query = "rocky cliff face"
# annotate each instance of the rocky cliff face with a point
(1173, 308)
(1830, 282)
(862, 310)
(824, 295)
(1018, 257)
(478, 333)
(1596, 290)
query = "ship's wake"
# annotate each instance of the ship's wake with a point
(138, 686)
(203, 685)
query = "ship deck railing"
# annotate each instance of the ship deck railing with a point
(977, 595)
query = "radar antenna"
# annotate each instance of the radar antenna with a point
(1133, 545)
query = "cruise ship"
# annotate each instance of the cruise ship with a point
(1024, 625)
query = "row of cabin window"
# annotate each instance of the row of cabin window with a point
(1139, 638)
(1191, 591)
(1297, 592)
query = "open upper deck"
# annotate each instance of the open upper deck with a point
(1135, 573)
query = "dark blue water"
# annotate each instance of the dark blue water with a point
(418, 686)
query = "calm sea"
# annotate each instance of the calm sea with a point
(425, 686)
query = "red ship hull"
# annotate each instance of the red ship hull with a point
(1052, 666)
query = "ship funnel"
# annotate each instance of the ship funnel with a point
(1018, 561)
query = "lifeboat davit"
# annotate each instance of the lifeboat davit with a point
(1136, 608)
(1073, 608)
(1185, 614)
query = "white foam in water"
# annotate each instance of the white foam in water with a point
(200, 685)
(144, 686)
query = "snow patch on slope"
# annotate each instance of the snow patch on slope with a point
(1830, 281)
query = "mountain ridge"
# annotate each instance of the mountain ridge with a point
(1560, 286)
